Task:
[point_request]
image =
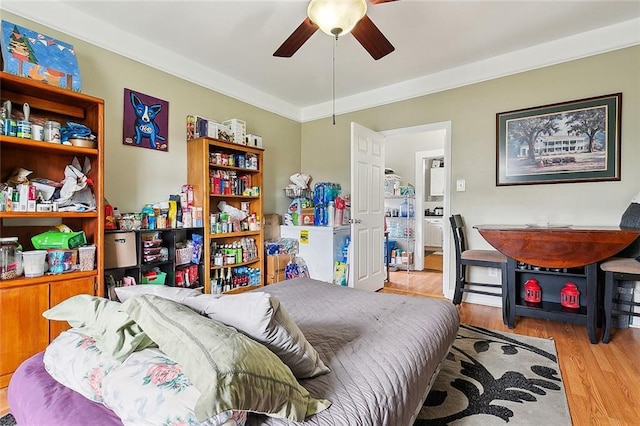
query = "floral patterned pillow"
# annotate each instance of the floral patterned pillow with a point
(147, 388)
(74, 360)
(151, 388)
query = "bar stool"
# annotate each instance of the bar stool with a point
(616, 270)
(483, 258)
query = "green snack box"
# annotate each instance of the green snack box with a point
(58, 240)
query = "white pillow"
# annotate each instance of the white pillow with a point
(260, 316)
(177, 294)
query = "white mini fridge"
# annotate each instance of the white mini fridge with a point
(320, 247)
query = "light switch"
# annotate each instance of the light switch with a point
(460, 185)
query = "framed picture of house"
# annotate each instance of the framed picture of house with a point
(576, 141)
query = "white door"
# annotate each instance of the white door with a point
(367, 208)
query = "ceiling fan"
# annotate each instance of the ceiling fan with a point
(337, 18)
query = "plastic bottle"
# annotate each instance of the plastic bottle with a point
(404, 208)
(331, 213)
(340, 206)
(109, 217)
(229, 279)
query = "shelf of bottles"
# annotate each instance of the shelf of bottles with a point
(231, 174)
(231, 265)
(223, 224)
(400, 218)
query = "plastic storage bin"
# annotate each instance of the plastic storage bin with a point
(10, 258)
(87, 257)
(61, 260)
(33, 262)
(158, 278)
(120, 250)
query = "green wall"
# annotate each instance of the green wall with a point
(135, 176)
(472, 112)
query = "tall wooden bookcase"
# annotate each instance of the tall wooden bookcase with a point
(201, 153)
(23, 330)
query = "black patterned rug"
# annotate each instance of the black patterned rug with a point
(494, 378)
(7, 420)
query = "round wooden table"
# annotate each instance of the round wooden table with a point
(548, 254)
(558, 246)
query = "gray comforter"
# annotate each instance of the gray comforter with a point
(383, 350)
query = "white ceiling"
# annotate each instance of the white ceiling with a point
(228, 45)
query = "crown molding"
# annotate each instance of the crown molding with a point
(61, 17)
(606, 39)
(69, 20)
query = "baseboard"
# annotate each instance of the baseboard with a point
(481, 299)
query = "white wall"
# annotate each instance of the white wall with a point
(400, 150)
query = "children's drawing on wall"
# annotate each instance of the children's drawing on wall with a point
(31, 54)
(146, 121)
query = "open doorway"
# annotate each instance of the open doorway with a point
(411, 153)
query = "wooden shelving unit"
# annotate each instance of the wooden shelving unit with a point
(552, 283)
(23, 330)
(199, 169)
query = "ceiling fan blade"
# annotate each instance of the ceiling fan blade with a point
(381, 1)
(296, 39)
(372, 39)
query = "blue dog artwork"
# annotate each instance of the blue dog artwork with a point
(146, 121)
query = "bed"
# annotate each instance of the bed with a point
(381, 353)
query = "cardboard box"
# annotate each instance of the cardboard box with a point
(278, 262)
(238, 129)
(406, 259)
(120, 250)
(220, 132)
(197, 126)
(271, 226)
(307, 216)
(276, 278)
(253, 140)
(276, 265)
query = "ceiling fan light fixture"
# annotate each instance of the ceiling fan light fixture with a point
(336, 17)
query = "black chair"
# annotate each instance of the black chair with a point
(616, 270)
(483, 258)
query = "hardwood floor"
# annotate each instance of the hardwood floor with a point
(4, 405)
(602, 381)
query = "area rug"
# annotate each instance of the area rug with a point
(494, 378)
(7, 420)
